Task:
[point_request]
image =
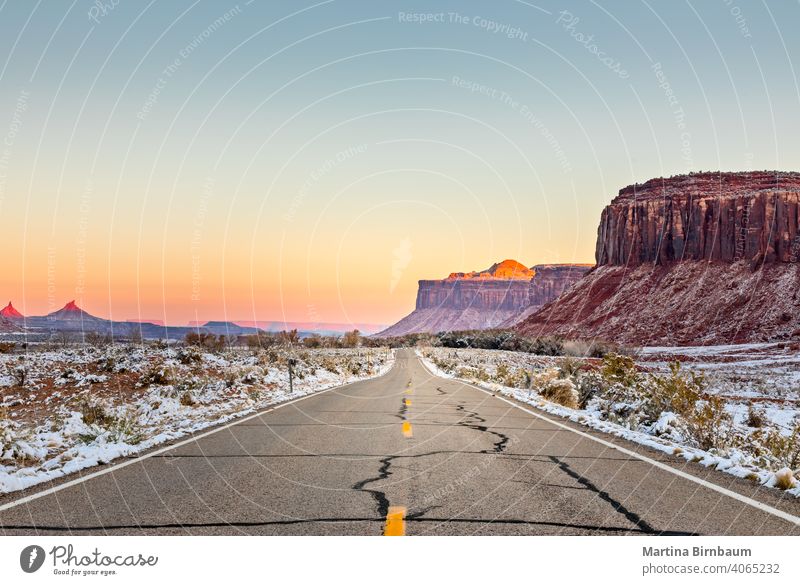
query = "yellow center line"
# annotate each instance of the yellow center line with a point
(395, 522)
(407, 402)
(407, 429)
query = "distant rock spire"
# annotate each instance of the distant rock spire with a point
(9, 312)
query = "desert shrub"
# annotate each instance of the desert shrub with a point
(14, 446)
(124, 429)
(252, 375)
(291, 337)
(159, 374)
(97, 339)
(443, 364)
(561, 391)
(329, 364)
(519, 378)
(619, 369)
(261, 340)
(186, 398)
(351, 338)
(268, 357)
(755, 418)
(569, 367)
(774, 447)
(547, 346)
(709, 425)
(589, 349)
(19, 374)
(502, 372)
(313, 341)
(676, 392)
(463, 372)
(94, 413)
(242, 375)
(784, 479)
(107, 364)
(589, 385)
(480, 374)
(115, 429)
(208, 341)
(189, 355)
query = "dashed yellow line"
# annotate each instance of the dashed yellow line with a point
(407, 429)
(395, 522)
(407, 402)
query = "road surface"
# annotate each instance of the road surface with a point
(406, 453)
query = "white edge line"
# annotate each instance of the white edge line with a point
(707, 484)
(192, 439)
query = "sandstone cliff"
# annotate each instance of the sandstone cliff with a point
(500, 295)
(702, 258)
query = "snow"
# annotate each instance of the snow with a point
(46, 435)
(665, 434)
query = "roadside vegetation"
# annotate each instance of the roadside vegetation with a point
(677, 405)
(68, 405)
(506, 340)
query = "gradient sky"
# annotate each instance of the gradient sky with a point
(312, 161)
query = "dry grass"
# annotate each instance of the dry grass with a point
(560, 391)
(784, 479)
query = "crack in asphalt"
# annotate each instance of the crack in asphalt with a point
(606, 497)
(379, 496)
(381, 500)
(475, 424)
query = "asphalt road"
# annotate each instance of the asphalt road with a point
(404, 453)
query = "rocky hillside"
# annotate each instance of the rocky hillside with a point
(694, 259)
(499, 295)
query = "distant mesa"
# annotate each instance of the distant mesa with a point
(501, 295)
(158, 322)
(704, 258)
(9, 312)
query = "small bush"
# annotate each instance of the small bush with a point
(158, 374)
(19, 374)
(189, 355)
(329, 364)
(784, 479)
(93, 413)
(107, 364)
(710, 425)
(187, 399)
(755, 418)
(7, 346)
(208, 341)
(619, 369)
(561, 391)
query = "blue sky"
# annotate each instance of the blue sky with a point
(298, 160)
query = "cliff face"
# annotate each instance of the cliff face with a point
(719, 217)
(500, 295)
(697, 259)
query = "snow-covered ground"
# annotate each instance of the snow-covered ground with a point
(62, 411)
(756, 384)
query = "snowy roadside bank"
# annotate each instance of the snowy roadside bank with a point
(527, 377)
(69, 410)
